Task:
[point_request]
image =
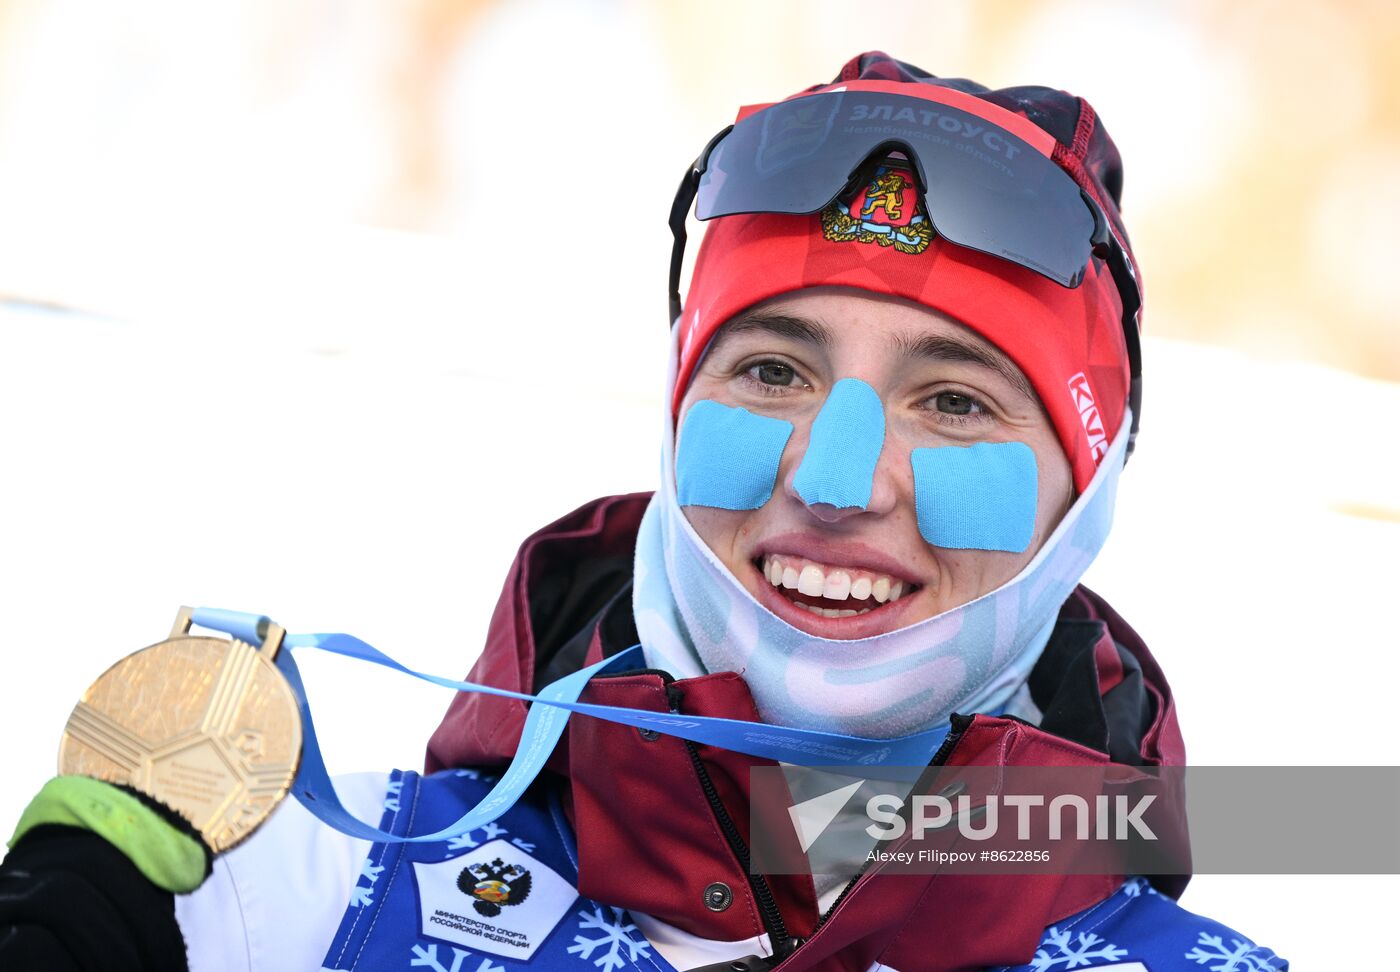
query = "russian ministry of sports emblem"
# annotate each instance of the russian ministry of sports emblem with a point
(494, 885)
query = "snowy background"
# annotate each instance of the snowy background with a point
(271, 341)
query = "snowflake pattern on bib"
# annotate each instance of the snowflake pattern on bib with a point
(1072, 951)
(427, 957)
(1139, 929)
(362, 893)
(410, 907)
(617, 931)
(1242, 955)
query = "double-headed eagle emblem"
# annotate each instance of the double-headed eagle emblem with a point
(494, 885)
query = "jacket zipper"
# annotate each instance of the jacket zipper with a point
(763, 894)
(768, 910)
(772, 917)
(939, 758)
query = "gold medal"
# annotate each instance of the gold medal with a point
(208, 726)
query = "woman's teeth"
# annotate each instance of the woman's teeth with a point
(805, 578)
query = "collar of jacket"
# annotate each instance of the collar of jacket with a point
(648, 838)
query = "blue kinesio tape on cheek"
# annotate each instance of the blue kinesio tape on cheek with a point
(728, 457)
(980, 497)
(844, 448)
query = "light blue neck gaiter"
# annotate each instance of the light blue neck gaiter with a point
(695, 617)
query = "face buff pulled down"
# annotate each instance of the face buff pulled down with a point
(694, 616)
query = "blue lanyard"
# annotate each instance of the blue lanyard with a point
(545, 722)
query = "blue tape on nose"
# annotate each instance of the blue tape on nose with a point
(980, 497)
(847, 435)
(728, 457)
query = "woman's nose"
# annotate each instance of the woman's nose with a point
(840, 474)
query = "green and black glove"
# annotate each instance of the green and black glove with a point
(90, 880)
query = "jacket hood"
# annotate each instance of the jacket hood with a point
(657, 818)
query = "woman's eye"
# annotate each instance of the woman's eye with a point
(774, 373)
(953, 403)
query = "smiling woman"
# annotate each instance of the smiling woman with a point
(905, 380)
(861, 479)
(869, 568)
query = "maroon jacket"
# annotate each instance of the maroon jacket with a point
(658, 820)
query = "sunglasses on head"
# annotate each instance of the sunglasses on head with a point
(983, 186)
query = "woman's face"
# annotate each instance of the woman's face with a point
(941, 385)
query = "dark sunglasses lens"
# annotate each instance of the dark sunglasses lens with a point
(987, 189)
(788, 158)
(1027, 211)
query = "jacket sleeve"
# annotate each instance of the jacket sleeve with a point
(70, 900)
(275, 901)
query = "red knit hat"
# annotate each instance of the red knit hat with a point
(1068, 342)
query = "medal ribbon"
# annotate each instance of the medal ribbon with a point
(545, 722)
